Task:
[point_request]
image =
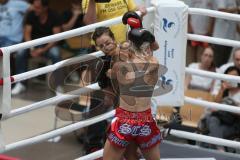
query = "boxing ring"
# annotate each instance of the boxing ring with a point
(7, 80)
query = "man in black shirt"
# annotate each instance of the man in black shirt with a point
(39, 23)
(72, 19)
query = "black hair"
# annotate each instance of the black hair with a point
(76, 1)
(100, 31)
(232, 68)
(43, 2)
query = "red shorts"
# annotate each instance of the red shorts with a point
(138, 127)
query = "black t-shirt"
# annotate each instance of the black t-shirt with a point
(67, 15)
(41, 30)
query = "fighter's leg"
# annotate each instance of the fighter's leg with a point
(131, 152)
(112, 152)
(152, 153)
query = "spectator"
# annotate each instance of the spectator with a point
(230, 89)
(222, 69)
(40, 22)
(11, 21)
(72, 19)
(206, 63)
(224, 29)
(198, 24)
(97, 12)
(224, 124)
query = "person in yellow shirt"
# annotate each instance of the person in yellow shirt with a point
(96, 12)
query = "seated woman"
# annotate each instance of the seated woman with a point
(223, 124)
(230, 89)
(206, 63)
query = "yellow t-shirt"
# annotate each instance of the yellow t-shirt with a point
(114, 8)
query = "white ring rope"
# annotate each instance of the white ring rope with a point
(213, 105)
(110, 114)
(63, 35)
(60, 131)
(53, 67)
(180, 134)
(214, 75)
(67, 34)
(50, 101)
(214, 13)
(91, 156)
(76, 93)
(203, 138)
(213, 40)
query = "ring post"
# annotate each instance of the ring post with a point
(170, 30)
(5, 91)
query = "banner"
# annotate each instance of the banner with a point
(170, 30)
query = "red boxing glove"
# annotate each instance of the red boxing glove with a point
(134, 23)
(132, 19)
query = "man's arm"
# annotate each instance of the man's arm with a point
(56, 29)
(27, 32)
(69, 23)
(91, 15)
(39, 51)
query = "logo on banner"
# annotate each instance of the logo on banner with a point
(167, 25)
(171, 24)
(166, 81)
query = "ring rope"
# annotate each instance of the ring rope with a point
(67, 34)
(214, 13)
(50, 101)
(206, 139)
(91, 156)
(63, 35)
(214, 75)
(180, 134)
(213, 105)
(60, 131)
(76, 93)
(85, 123)
(99, 154)
(213, 40)
(53, 67)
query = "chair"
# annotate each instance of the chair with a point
(164, 113)
(38, 62)
(191, 114)
(72, 46)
